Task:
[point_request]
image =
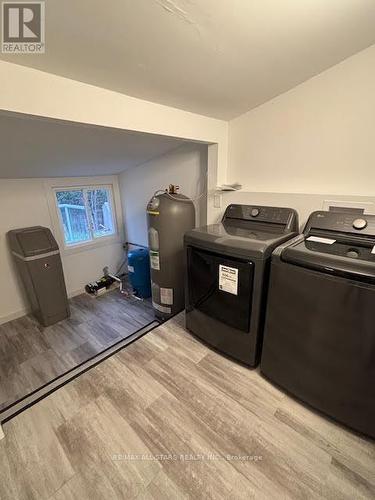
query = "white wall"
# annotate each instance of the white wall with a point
(318, 138)
(185, 166)
(24, 203)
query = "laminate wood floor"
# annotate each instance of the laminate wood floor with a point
(31, 356)
(167, 418)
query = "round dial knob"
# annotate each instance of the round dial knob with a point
(255, 212)
(360, 223)
(354, 254)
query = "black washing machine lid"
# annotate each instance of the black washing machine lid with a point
(336, 243)
(352, 261)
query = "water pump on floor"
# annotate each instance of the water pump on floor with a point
(102, 285)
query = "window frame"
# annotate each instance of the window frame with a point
(85, 189)
(77, 184)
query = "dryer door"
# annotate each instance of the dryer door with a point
(220, 286)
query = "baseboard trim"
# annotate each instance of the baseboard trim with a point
(74, 293)
(24, 312)
(14, 315)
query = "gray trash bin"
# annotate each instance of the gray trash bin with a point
(38, 261)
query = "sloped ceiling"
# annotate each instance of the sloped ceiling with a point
(34, 147)
(214, 57)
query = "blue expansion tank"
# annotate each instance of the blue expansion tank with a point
(139, 272)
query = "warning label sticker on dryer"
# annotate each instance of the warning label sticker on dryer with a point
(228, 279)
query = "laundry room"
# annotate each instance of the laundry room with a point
(187, 249)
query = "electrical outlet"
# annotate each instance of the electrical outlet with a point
(217, 200)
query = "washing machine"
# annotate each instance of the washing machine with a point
(227, 270)
(319, 338)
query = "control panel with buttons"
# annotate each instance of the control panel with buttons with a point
(360, 224)
(259, 213)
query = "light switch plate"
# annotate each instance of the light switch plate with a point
(217, 200)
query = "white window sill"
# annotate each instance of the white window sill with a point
(90, 245)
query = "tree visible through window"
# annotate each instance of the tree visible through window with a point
(86, 214)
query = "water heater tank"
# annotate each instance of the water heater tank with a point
(169, 216)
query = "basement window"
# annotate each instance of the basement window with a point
(86, 214)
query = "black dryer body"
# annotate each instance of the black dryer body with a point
(227, 268)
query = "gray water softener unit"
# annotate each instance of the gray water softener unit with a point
(38, 261)
(169, 216)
